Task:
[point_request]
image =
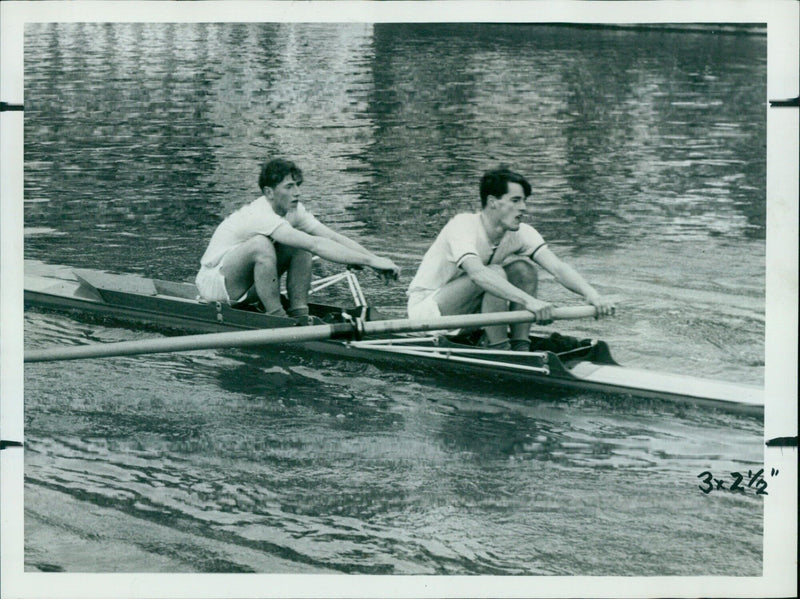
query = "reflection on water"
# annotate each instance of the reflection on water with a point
(335, 468)
(156, 131)
(646, 150)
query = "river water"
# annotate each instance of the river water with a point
(647, 154)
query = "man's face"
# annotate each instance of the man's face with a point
(510, 207)
(285, 195)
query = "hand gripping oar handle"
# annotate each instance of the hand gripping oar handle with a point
(252, 338)
(464, 321)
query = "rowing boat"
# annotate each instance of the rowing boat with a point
(553, 361)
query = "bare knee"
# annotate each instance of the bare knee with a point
(523, 274)
(286, 253)
(499, 270)
(291, 258)
(262, 251)
(250, 262)
(239, 263)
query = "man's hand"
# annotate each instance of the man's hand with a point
(386, 269)
(541, 310)
(604, 306)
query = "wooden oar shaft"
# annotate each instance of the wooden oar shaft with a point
(189, 343)
(292, 334)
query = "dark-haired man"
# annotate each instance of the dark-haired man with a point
(275, 234)
(484, 261)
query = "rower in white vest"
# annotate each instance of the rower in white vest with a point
(486, 262)
(253, 247)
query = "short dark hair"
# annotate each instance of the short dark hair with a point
(495, 183)
(274, 171)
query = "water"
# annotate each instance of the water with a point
(646, 150)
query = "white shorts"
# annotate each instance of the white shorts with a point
(211, 285)
(423, 305)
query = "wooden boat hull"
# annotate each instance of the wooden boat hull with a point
(135, 300)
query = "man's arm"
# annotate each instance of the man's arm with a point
(572, 280)
(332, 250)
(494, 283)
(325, 231)
(322, 230)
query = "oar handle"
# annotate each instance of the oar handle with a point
(464, 321)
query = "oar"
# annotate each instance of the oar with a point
(356, 329)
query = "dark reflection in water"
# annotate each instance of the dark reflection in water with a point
(608, 123)
(143, 136)
(646, 149)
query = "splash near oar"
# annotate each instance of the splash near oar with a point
(355, 329)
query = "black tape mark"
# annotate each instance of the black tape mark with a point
(790, 103)
(782, 442)
(4, 444)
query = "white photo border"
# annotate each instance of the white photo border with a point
(780, 506)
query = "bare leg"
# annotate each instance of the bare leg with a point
(462, 296)
(522, 274)
(254, 264)
(296, 264)
(459, 296)
(498, 333)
